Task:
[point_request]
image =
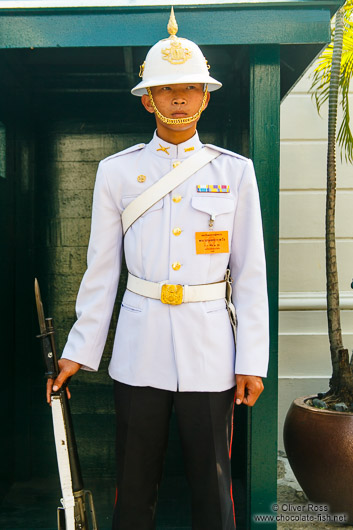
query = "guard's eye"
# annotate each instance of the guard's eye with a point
(191, 87)
(166, 88)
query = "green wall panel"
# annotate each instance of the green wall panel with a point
(264, 149)
(6, 316)
(136, 27)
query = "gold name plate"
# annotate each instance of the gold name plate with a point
(212, 242)
(172, 294)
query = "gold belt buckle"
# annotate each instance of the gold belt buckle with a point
(172, 294)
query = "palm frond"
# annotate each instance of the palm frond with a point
(321, 78)
(345, 137)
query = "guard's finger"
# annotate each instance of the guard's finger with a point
(50, 388)
(50, 383)
(240, 391)
(250, 399)
(60, 380)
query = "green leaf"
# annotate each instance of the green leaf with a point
(321, 78)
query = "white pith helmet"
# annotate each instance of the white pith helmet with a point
(172, 61)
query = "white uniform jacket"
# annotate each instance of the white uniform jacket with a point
(187, 347)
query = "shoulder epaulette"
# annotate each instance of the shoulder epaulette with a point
(227, 152)
(126, 151)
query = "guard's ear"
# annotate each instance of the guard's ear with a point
(146, 102)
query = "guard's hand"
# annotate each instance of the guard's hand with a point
(249, 387)
(67, 368)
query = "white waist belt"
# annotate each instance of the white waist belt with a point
(176, 294)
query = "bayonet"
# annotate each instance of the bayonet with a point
(40, 309)
(47, 336)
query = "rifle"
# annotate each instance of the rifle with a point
(72, 515)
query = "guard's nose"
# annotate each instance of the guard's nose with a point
(179, 100)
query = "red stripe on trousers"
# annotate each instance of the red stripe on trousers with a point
(230, 455)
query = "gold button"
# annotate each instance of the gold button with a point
(176, 164)
(177, 198)
(177, 231)
(141, 178)
(176, 265)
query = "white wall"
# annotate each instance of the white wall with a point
(304, 356)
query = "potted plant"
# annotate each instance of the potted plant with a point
(318, 431)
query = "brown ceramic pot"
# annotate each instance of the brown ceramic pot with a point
(319, 446)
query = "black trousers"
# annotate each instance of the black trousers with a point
(205, 421)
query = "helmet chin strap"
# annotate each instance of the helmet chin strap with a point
(178, 121)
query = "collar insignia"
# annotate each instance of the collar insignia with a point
(164, 149)
(186, 149)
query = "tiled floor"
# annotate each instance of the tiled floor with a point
(32, 505)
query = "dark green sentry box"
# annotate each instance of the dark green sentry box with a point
(65, 103)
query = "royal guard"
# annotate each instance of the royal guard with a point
(185, 214)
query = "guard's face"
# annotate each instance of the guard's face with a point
(176, 101)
